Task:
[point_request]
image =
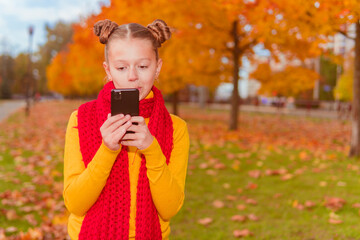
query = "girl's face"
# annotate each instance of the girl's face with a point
(132, 64)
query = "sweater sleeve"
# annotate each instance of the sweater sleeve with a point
(82, 186)
(167, 182)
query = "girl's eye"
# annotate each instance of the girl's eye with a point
(121, 68)
(143, 66)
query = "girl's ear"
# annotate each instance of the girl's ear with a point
(107, 70)
(158, 68)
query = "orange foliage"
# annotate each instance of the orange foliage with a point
(289, 82)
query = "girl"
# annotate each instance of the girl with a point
(120, 185)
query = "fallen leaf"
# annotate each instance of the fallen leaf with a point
(238, 218)
(219, 166)
(341, 184)
(11, 229)
(251, 185)
(299, 171)
(356, 205)
(218, 204)
(242, 233)
(31, 219)
(11, 215)
(251, 201)
(203, 165)
(254, 173)
(35, 233)
(211, 172)
(230, 197)
(309, 204)
(241, 207)
(335, 221)
(253, 217)
(205, 221)
(334, 218)
(2, 234)
(270, 172)
(287, 177)
(226, 185)
(300, 206)
(304, 156)
(322, 184)
(334, 203)
(277, 195)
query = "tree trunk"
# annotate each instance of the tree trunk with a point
(175, 102)
(235, 93)
(355, 131)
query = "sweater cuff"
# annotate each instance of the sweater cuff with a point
(155, 158)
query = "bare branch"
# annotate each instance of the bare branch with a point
(345, 35)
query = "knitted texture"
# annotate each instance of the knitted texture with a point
(109, 217)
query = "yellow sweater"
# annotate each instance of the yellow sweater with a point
(82, 186)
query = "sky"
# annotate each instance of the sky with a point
(17, 15)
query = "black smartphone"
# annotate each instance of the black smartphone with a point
(125, 101)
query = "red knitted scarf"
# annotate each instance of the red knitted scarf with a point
(109, 217)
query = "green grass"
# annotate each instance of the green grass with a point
(276, 197)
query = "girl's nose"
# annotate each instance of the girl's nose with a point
(133, 75)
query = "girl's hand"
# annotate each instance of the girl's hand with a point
(141, 138)
(113, 130)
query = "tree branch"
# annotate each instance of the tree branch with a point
(248, 45)
(345, 34)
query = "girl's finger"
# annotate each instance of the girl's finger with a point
(111, 120)
(132, 143)
(138, 119)
(135, 128)
(120, 132)
(129, 136)
(118, 124)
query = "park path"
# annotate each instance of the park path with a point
(8, 107)
(317, 113)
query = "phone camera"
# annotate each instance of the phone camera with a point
(117, 96)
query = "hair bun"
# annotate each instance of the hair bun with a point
(159, 30)
(103, 29)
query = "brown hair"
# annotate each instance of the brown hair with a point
(157, 32)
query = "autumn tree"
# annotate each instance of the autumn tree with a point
(344, 87)
(7, 74)
(321, 20)
(21, 62)
(57, 37)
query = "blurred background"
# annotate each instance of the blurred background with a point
(270, 91)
